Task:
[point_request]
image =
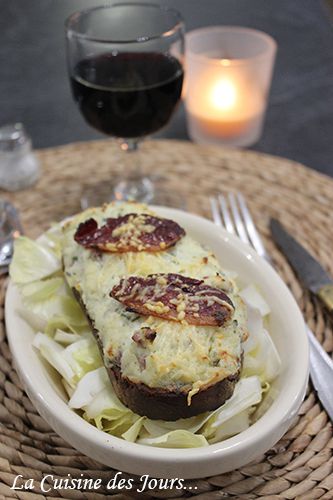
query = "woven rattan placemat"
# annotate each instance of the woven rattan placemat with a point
(300, 465)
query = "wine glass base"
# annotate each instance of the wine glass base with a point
(135, 189)
(154, 194)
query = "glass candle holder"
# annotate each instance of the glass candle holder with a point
(228, 77)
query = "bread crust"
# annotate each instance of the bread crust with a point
(162, 403)
(166, 404)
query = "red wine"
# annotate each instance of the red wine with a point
(127, 94)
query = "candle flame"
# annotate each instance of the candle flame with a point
(223, 95)
(225, 62)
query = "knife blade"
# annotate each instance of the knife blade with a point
(321, 371)
(310, 272)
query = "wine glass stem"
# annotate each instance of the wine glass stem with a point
(134, 185)
(131, 160)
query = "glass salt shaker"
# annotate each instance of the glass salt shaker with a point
(19, 168)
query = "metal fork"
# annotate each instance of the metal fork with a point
(231, 212)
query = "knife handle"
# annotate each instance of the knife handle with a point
(326, 295)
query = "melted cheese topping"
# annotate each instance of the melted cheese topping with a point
(130, 232)
(181, 356)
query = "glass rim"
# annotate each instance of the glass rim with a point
(270, 49)
(70, 31)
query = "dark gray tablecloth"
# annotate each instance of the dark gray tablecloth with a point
(299, 125)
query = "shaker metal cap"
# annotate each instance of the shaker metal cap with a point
(13, 137)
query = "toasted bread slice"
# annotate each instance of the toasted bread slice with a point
(161, 368)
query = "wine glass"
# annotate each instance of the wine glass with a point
(125, 63)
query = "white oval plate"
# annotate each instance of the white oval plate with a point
(287, 330)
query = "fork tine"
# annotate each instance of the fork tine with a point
(228, 223)
(251, 229)
(215, 211)
(241, 230)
